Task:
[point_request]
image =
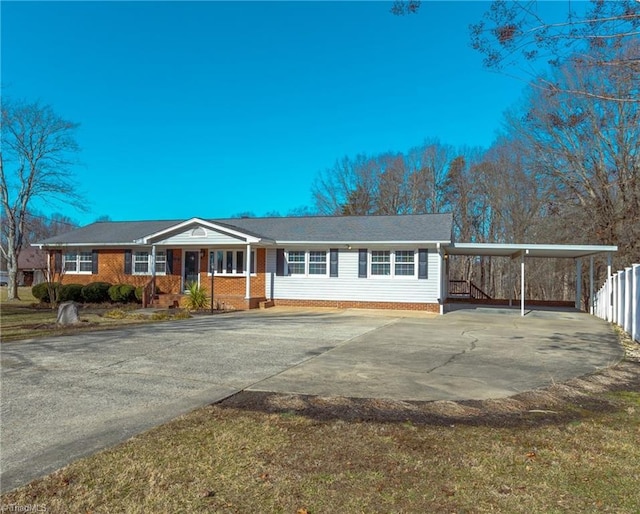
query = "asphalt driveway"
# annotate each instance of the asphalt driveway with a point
(67, 397)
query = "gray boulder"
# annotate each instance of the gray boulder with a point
(68, 314)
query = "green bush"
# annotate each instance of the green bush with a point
(196, 297)
(139, 292)
(71, 293)
(96, 292)
(122, 293)
(41, 291)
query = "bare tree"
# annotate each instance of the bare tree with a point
(38, 148)
(589, 149)
(514, 35)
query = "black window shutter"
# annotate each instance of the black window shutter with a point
(422, 262)
(333, 262)
(280, 262)
(94, 262)
(57, 261)
(362, 263)
(169, 264)
(127, 262)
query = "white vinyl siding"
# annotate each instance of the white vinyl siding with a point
(77, 262)
(201, 236)
(348, 287)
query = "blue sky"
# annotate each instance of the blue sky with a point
(212, 108)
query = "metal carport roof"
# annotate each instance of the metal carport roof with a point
(521, 251)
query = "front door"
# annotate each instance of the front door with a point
(191, 268)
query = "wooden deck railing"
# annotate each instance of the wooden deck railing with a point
(466, 288)
(148, 292)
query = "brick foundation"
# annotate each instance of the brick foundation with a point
(346, 304)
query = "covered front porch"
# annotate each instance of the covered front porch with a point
(227, 265)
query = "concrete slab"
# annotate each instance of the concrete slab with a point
(67, 397)
(466, 354)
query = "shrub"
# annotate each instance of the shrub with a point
(41, 291)
(196, 298)
(122, 293)
(96, 292)
(139, 292)
(71, 293)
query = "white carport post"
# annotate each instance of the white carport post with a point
(522, 281)
(609, 283)
(578, 283)
(591, 285)
(247, 286)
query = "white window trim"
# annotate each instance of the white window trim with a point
(77, 263)
(307, 262)
(149, 267)
(234, 266)
(392, 258)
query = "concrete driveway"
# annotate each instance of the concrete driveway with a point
(67, 397)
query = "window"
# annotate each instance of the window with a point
(398, 263)
(301, 262)
(404, 264)
(77, 262)
(296, 261)
(381, 262)
(230, 262)
(317, 263)
(142, 263)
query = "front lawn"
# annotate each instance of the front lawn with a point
(25, 319)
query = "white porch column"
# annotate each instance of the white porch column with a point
(247, 288)
(591, 311)
(578, 283)
(153, 261)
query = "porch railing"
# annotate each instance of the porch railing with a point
(148, 293)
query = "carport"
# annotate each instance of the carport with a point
(522, 251)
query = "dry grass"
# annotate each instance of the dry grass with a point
(24, 319)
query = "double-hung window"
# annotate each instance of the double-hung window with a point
(396, 263)
(381, 262)
(303, 262)
(142, 263)
(296, 261)
(317, 263)
(77, 262)
(404, 262)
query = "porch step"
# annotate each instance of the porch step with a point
(167, 300)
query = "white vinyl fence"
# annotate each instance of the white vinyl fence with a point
(618, 300)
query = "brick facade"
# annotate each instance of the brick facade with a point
(229, 292)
